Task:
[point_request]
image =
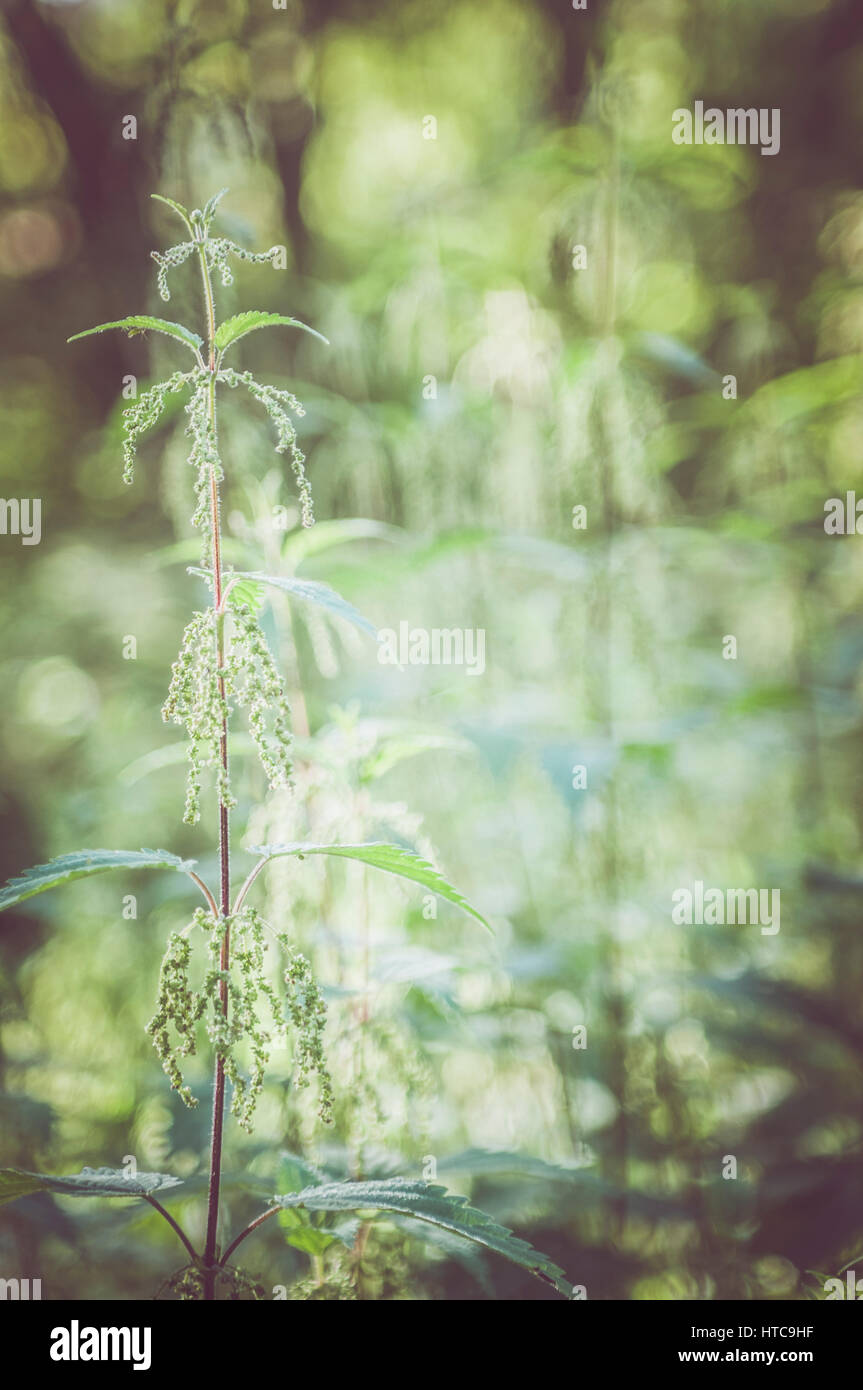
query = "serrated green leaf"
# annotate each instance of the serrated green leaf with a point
(80, 864)
(178, 208)
(241, 324)
(434, 1205)
(391, 858)
(249, 589)
(210, 206)
(90, 1182)
(141, 323)
(311, 591)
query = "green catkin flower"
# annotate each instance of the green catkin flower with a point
(167, 260)
(337, 1288)
(218, 249)
(194, 700)
(250, 679)
(188, 1284)
(145, 413)
(181, 1008)
(277, 403)
(251, 662)
(178, 1006)
(204, 456)
(308, 1013)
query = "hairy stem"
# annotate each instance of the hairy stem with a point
(241, 896)
(252, 1226)
(211, 901)
(211, 1248)
(174, 1224)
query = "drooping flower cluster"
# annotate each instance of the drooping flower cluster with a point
(168, 260)
(300, 1012)
(277, 403)
(178, 1007)
(203, 682)
(145, 413)
(216, 249)
(204, 456)
(219, 249)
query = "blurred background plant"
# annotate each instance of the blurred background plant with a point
(432, 174)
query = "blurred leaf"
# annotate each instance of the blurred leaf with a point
(677, 357)
(407, 964)
(25, 1116)
(171, 755)
(181, 552)
(488, 1162)
(404, 744)
(313, 1233)
(295, 1173)
(789, 398)
(307, 541)
(311, 1240)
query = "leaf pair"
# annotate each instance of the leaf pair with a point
(82, 863)
(301, 1209)
(227, 333)
(196, 218)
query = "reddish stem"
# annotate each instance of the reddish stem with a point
(211, 1246)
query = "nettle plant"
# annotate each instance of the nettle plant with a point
(235, 995)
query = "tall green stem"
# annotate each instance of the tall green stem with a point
(211, 1247)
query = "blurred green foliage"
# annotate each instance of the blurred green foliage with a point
(478, 388)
